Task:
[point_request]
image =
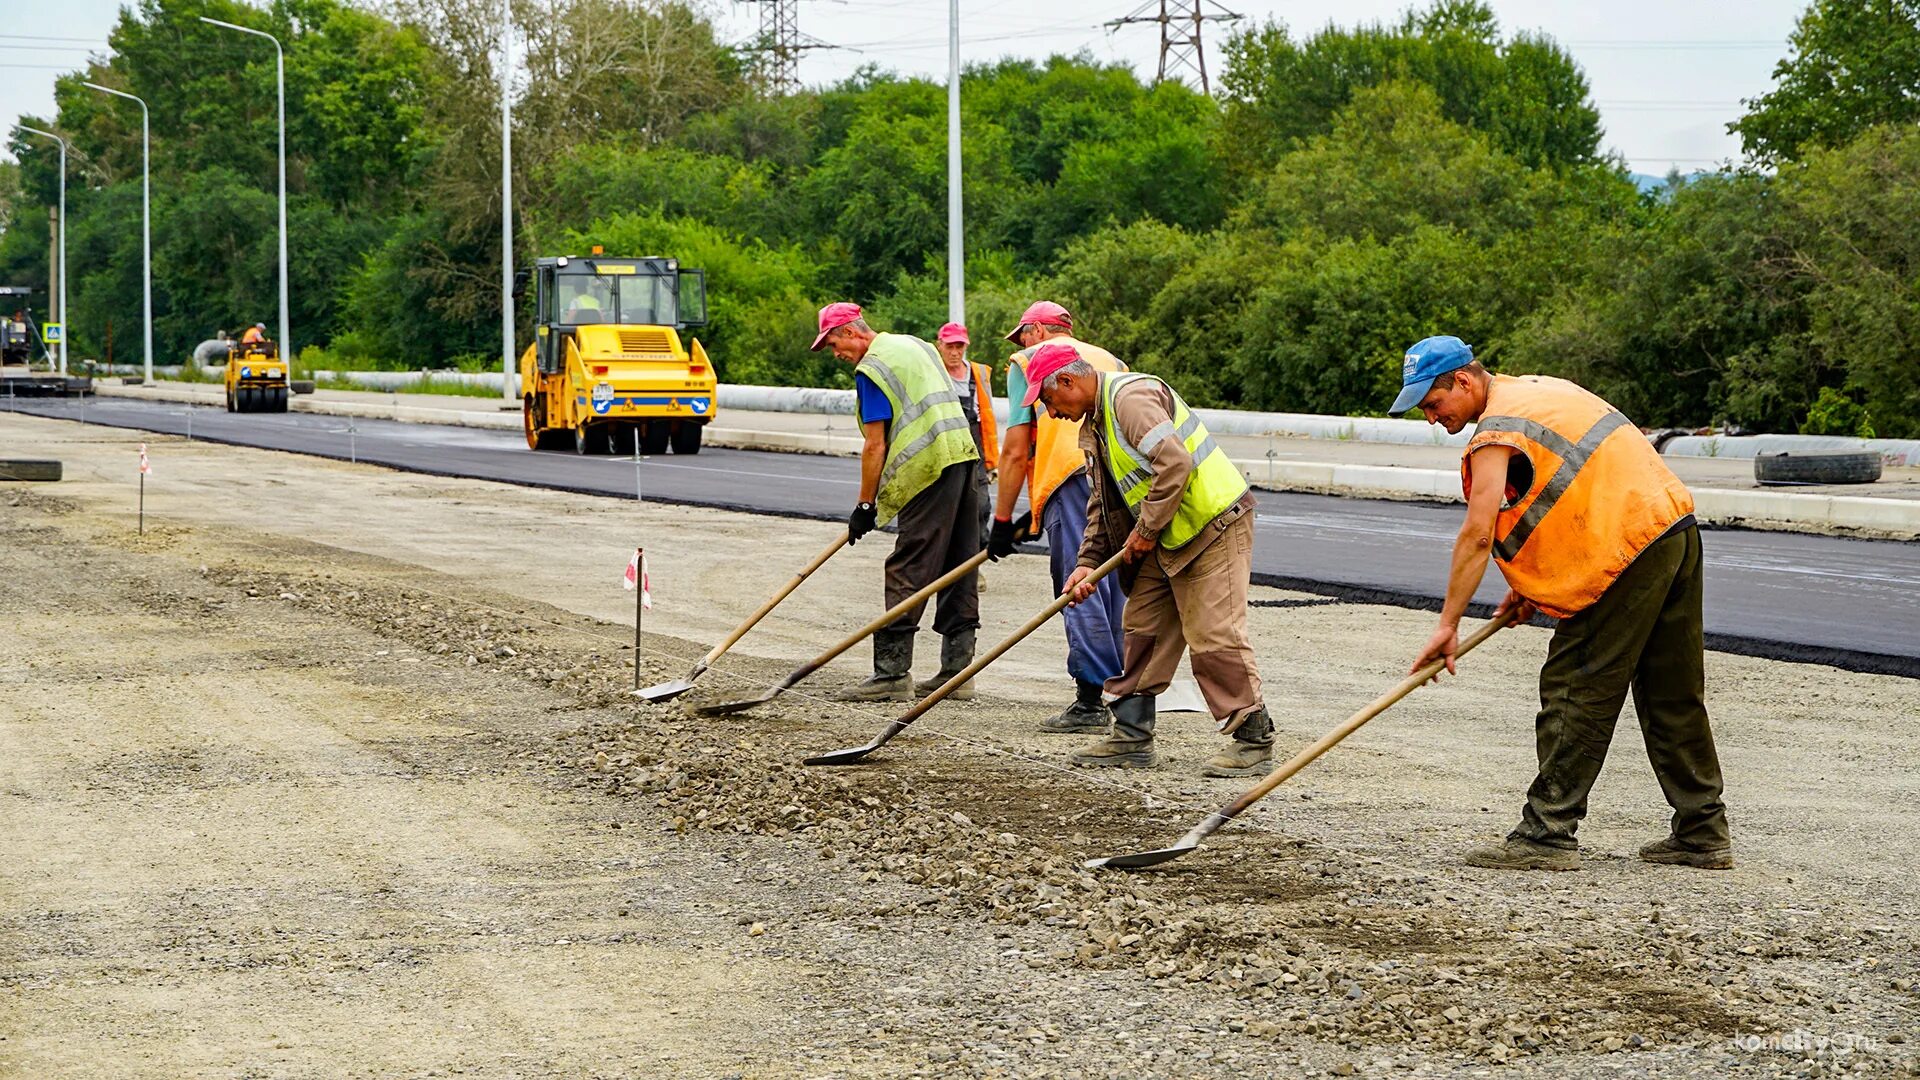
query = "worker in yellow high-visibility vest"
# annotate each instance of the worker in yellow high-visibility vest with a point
(1167, 495)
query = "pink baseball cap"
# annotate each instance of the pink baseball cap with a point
(1046, 360)
(1042, 311)
(954, 332)
(833, 317)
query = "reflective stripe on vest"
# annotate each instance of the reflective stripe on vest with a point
(929, 430)
(1213, 486)
(1590, 495)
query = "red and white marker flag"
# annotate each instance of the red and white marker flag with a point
(145, 469)
(636, 576)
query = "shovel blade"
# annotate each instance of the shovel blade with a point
(850, 756)
(728, 708)
(1140, 860)
(665, 691)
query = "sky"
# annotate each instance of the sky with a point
(1668, 75)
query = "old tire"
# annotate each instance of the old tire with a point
(1818, 467)
(301, 386)
(131, 380)
(686, 437)
(29, 469)
(654, 437)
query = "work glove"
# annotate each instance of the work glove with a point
(862, 521)
(1005, 534)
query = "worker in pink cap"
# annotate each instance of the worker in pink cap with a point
(973, 384)
(920, 465)
(1042, 454)
(1166, 495)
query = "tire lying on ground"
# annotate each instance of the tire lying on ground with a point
(1818, 467)
(29, 469)
(302, 386)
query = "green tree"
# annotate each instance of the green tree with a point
(1854, 64)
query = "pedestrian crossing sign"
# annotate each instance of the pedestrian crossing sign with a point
(51, 332)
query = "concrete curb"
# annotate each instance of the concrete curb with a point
(1836, 515)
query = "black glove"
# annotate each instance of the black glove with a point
(1005, 535)
(862, 521)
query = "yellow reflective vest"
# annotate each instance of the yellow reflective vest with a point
(1214, 485)
(929, 429)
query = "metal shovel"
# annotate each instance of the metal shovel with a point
(1141, 859)
(727, 708)
(853, 754)
(667, 691)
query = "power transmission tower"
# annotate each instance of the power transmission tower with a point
(1181, 47)
(780, 44)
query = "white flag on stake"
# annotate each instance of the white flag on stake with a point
(145, 469)
(636, 576)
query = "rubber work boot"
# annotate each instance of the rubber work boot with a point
(892, 670)
(1513, 853)
(1251, 751)
(956, 652)
(1671, 852)
(1130, 745)
(1087, 715)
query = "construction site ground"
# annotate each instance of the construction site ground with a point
(332, 772)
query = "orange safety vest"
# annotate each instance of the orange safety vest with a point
(1590, 496)
(983, 395)
(1055, 453)
(252, 335)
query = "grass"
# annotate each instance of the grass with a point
(428, 385)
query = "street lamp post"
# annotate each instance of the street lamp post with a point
(66, 321)
(280, 85)
(506, 201)
(146, 225)
(956, 261)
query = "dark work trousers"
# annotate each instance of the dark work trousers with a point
(1094, 634)
(939, 530)
(1645, 634)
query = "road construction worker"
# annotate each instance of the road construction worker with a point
(1164, 493)
(1042, 453)
(1590, 527)
(973, 385)
(918, 465)
(255, 334)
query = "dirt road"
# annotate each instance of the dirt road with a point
(331, 774)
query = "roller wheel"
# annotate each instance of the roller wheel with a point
(530, 420)
(623, 438)
(233, 403)
(653, 438)
(280, 399)
(686, 437)
(591, 439)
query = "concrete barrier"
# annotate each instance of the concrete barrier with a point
(1895, 453)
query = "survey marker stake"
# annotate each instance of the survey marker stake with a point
(853, 754)
(1142, 859)
(667, 691)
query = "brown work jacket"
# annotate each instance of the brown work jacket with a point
(1138, 408)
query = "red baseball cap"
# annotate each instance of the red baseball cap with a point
(833, 317)
(1041, 311)
(954, 332)
(1046, 360)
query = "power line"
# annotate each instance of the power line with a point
(780, 44)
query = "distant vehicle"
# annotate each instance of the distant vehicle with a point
(608, 372)
(16, 328)
(256, 379)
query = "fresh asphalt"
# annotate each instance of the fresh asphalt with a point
(1851, 603)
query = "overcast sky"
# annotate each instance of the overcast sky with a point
(1668, 74)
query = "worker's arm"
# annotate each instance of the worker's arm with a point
(1144, 413)
(1014, 449)
(873, 457)
(1471, 549)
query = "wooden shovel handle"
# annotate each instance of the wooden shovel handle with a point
(786, 590)
(955, 683)
(1352, 724)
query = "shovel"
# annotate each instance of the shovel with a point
(853, 754)
(667, 691)
(1301, 760)
(727, 708)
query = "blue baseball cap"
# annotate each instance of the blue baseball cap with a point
(1429, 359)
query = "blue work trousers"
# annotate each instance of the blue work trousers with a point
(1094, 635)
